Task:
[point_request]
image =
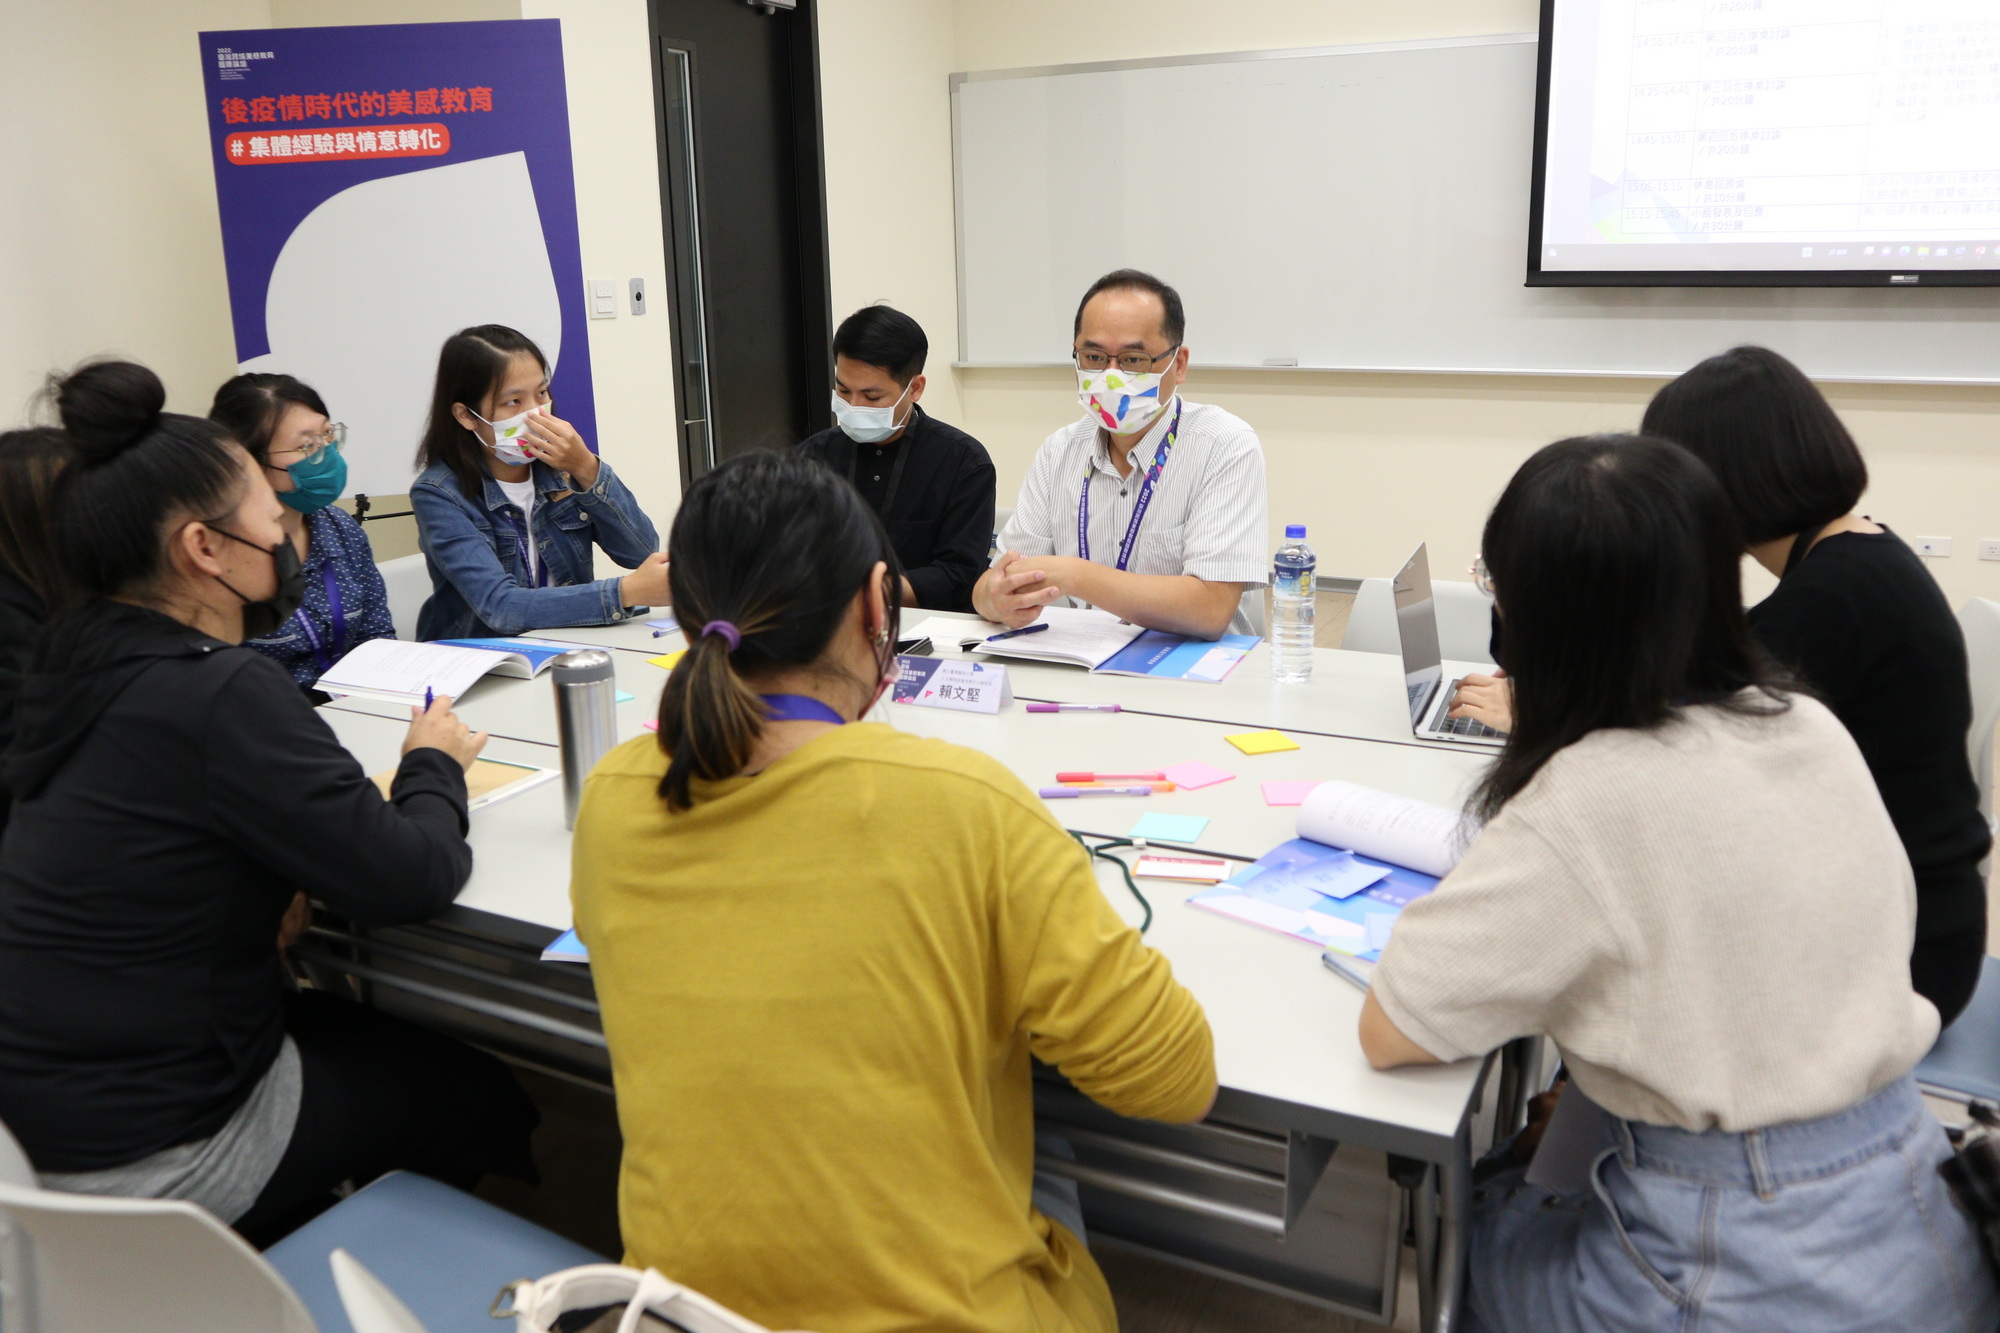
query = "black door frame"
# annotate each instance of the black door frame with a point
(815, 267)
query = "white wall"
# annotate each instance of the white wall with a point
(1372, 463)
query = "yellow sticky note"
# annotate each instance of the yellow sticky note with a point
(1262, 742)
(665, 661)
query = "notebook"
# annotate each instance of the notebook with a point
(1097, 641)
(488, 781)
(400, 672)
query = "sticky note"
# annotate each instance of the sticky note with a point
(651, 724)
(1262, 742)
(625, 698)
(1156, 827)
(1287, 792)
(666, 661)
(1194, 773)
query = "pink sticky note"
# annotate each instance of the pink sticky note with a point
(651, 724)
(1194, 773)
(1288, 793)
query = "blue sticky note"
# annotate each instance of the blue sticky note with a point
(625, 698)
(1156, 827)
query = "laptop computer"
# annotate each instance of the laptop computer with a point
(1423, 663)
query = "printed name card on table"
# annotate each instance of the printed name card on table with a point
(965, 687)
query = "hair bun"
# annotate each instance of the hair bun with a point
(108, 406)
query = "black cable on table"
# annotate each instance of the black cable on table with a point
(1102, 851)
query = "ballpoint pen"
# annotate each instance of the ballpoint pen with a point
(1072, 708)
(427, 698)
(1058, 793)
(1016, 633)
(1156, 786)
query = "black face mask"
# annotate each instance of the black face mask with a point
(263, 616)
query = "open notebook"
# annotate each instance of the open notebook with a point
(399, 671)
(1096, 640)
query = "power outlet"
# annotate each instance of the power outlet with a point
(1938, 548)
(1989, 548)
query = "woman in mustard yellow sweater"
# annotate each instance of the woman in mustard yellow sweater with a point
(826, 951)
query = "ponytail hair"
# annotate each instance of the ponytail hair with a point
(31, 463)
(776, 546)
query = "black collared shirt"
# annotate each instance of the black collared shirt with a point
(940, 518)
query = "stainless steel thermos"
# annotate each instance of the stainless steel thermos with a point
(586, 686)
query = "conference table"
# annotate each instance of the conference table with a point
(1312, 1167)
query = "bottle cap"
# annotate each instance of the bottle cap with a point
(1294, 531)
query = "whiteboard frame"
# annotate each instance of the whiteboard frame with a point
(957, 79)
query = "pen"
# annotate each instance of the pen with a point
(663, 633)
(427, 698)
(1351, 970)
(1153, 775)
(1016, 633)
(1073, 708)
(1156, 786)
(1057, 793)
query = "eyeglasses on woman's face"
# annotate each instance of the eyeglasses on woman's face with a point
(310, 444)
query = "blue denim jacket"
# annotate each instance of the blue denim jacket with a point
(479, 587)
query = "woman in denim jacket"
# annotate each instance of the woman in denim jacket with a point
(511, 500)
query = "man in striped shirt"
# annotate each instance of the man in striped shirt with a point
(1150, 506)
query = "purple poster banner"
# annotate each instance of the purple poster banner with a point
(380, 188)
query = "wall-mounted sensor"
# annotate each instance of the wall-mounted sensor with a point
(637, 287)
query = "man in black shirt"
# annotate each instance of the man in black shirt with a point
(932, 484)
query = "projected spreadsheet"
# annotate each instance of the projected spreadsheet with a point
(1774, 133)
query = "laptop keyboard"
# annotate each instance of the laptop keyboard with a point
(1464, 726)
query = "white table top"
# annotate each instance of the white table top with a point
(1360, 695)
(1284, 1025)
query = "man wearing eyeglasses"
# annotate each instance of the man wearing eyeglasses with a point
(1149, 507)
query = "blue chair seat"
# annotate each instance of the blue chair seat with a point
(444, 1253)
(1965, 1063)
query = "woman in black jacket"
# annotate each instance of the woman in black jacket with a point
(1861, 621)
(30, 462)
(172, 792)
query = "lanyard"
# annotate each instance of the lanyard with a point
(800, 708)
(895, 469)
(540, 568)
(1139, 506)
(322, 654)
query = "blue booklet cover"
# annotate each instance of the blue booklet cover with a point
(1177, 657)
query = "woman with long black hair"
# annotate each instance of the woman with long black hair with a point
(1686, 878)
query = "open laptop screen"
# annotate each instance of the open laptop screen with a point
(1417, 627)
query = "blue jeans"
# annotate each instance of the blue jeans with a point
(1840, 1223)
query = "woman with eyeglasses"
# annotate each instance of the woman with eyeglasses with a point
(285, 426)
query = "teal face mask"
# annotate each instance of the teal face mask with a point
(317, 481)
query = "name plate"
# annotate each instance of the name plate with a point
(937, 682)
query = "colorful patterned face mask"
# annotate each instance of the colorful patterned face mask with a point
(1118, 400)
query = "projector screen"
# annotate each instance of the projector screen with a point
(1767, 142)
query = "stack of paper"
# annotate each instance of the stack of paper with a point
(402, 672)
(1097, 640)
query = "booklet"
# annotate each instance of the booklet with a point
(1361, 857)
(400, 672)
(1096, 640)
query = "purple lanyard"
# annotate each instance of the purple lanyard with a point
(1139, 506)
(321, 653)
(800, 708)
(541, 568)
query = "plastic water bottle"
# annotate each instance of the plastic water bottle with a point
(1292, 607)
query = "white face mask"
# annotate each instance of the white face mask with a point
(507, 437)
(868, 425)
(1118, 400)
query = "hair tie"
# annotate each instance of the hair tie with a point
(729, 633)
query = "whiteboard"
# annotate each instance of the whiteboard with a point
(1354, 208)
